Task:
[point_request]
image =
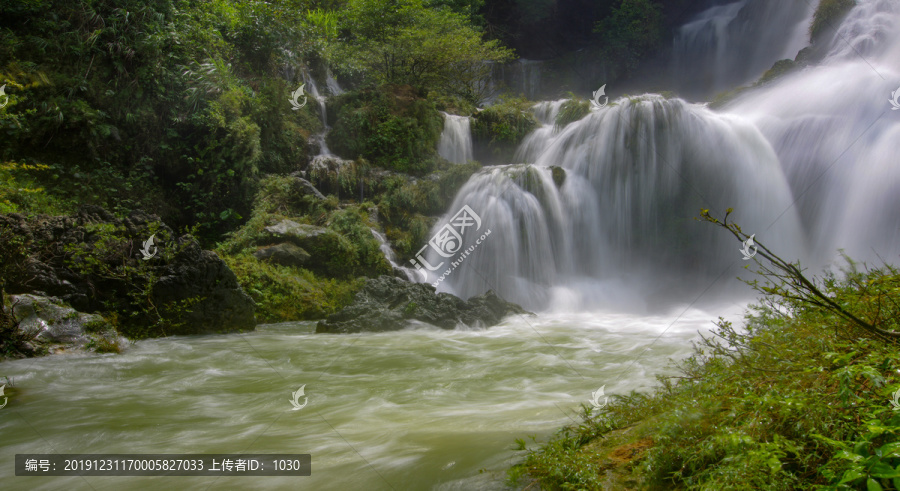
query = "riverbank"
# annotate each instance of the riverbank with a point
(799, 399)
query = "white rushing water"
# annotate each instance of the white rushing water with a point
(733, 44)
(808, 163)
(837, 136)
(636, 175)
(421, 409)
(595, 229)
(455, 144)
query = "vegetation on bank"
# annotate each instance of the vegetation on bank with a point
(801, 398)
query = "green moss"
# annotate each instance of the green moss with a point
(828, 13)
(508, 121)
(780, 68)
(572, 110)
(285, 294)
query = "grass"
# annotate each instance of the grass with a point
(799, 399)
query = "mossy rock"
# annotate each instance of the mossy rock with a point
(828, 14)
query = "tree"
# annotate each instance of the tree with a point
(404, 42)
(633, 30)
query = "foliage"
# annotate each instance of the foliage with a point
(402, 42)
(827, 14)
(390, 127)
(800, 398)
(19, 192)
(404, 204)
(507, 121)
(572, 110)
(634, 29)
(285, 294)
(168, 104)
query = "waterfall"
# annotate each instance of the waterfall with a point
(607, 204)
(333, 87)
(455, 144)
(730, 45)
(319, 138)
(837, 137)
(635, 175)
(392, 258)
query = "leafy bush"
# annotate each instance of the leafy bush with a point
(798, 399)
(630, 33)
(391, 127)
(508, 121)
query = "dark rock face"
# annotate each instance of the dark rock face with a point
(93, 262)
(387, 304)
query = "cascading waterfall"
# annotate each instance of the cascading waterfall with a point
(837, 137)
(635, 175)
(730, 45)
(455, 144)
(808, 162)
(313, 90)
(391, 258)
(334, 88)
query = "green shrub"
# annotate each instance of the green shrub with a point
(508, 121)
(800, 398)
(392, 127)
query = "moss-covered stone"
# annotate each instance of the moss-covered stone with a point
(827, 15)
(572, 110)
(781, 67)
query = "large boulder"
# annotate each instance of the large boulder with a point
(285, 254)
(47, 322)
(92, 261)
(301, 234)
(389, 304)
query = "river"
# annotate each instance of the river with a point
(418, 409)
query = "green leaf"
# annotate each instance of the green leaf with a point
(872, 485)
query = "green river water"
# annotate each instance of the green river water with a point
(422, 409)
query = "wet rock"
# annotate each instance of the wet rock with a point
(388, 304)
(300, 234)
(285, 254)
(48, 321)
(92, 261)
